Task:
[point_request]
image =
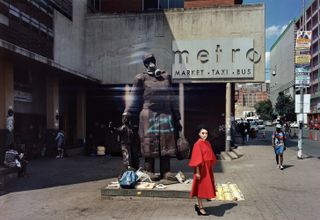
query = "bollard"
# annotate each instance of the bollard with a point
(310, 135)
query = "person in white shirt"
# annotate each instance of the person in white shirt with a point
(10, 128)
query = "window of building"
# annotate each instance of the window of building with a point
(94, 5)
(162, 4)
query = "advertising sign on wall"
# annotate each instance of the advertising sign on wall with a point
(302, 68)
(303, 39)
(302, 79)
(302, 59)
(222, 59)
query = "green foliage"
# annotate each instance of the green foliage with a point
(285, 106)
(264, 109)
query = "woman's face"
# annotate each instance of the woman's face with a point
(203, 134)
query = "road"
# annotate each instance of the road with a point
(309, 147)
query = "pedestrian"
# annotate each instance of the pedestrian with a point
(10, 128)
(202, 160)
(248, 130)
(279, 145)
(60, 141)
(15, 160)
(242, 128)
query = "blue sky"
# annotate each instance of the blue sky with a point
(279, 13)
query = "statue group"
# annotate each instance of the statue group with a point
(154, 108)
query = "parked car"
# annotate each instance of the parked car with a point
(294, 125)
(268, 123)
(254, 125)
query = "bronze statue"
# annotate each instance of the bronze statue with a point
(155, 106)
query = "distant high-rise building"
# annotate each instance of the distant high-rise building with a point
(247, 95)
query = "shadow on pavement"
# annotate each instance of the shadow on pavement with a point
(287, 166)
(220, 209)
(51, 172)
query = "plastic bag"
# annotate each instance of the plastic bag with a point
(128, 180)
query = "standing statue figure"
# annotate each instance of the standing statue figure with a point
(159, 126)
(129, 142)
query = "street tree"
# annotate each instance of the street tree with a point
(285, 107)
(264, 109)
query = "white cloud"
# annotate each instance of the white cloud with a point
(267, 58)
(275, 30)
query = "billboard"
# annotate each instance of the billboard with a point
(302, 79)
(302, 68)
(303, 39)
(302, 59)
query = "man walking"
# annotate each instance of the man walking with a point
(60, 141)
(278, 144)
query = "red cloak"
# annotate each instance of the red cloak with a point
(203, 157)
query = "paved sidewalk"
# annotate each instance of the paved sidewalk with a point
(293, 193)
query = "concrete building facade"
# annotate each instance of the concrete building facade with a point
(247, 95)
(282, 76)
(311, 22)
(78, 82)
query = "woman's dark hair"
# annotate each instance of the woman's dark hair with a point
(201, 126)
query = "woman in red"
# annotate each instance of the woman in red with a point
(202, 160)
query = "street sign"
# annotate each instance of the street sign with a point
(306, 103)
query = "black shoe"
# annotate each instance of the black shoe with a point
(196, 207)
(201, 213)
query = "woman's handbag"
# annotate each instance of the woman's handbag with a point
(183, 147)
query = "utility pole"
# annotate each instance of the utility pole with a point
(301, 123)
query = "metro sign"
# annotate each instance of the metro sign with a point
(216, 59)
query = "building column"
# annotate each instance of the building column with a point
(181, 104)
(81, 116)
(6, 98)
(52, 113)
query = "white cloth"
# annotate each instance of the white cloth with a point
(10, 123)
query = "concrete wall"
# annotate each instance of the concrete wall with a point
(115, 43)
(69, 36)
(282, 62)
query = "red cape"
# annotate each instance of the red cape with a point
(203, 157)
